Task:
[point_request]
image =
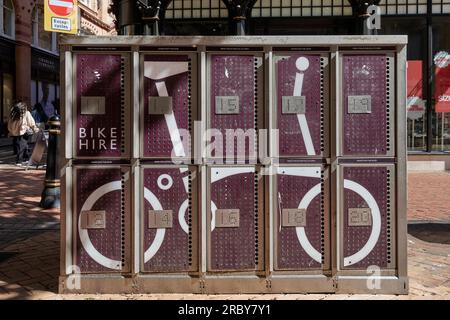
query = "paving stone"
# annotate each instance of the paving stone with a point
(34, 234)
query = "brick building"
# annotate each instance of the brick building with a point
(29, 58)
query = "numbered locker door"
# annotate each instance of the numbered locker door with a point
(368, 104)
(301, 218)
(235, 92)
(169, 219)
(301, 101)
(102, 99)
(168, 100)
(367, 216)
(101, 219)
(235, 220)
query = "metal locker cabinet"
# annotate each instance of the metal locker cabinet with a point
(169, 220)
(366, 216)
(301, 101)
(101, 105)
(168, 93)
(233, 101)
(101, 218)
(367, 100)
(301, 218)
(235, 222)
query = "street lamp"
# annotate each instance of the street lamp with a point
(238, 12)
(359, 8)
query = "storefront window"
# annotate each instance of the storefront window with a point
(417, 102)
(45, 93)
(7, 18)
(441, 114)
(44, 37)
(416, 106)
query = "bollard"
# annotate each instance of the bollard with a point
(51, 195)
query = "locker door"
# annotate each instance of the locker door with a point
(169, 219)
(367, 216)
(301, 103)
(234, 94)
(102, 101)
(167, 103)
(301, 218)
(101, 219)
(235, 219)
(368, 104)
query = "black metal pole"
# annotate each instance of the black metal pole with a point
(151, 27)
(51, 195)
(152, 14)
(128, 24)
(238, 12)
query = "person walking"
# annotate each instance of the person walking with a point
(39, 116)
(21, 127)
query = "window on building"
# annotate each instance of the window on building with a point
(41, 38)
(7, 21)
(92, 4)
(44, 37)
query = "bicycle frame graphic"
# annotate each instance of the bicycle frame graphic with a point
(161, 70)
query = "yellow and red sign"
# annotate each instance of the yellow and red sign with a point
(61, 16)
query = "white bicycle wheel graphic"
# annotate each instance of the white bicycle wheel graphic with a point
(376, 223)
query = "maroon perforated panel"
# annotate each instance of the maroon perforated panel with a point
(175, 253)
(290, 253)
(365, 133)
(100, 135)
(235, 248)
(234, 75)
(106, 241)
(157, 141)
(291, 138)
(375, 180)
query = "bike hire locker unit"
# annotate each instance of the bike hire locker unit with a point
(233, 164)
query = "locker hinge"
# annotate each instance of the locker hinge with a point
(268, 284)
(335, 283)
(134, 285)
(202, 286)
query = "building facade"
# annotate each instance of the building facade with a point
(29, 58)
(29, 55)
(426, 22)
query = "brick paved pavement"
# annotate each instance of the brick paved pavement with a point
(29, 243)
(429, 196)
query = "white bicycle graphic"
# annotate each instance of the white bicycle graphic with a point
(160, 70)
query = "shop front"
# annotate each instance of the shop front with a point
(45, 80)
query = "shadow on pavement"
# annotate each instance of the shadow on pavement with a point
(435, 232)
(29, 236)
